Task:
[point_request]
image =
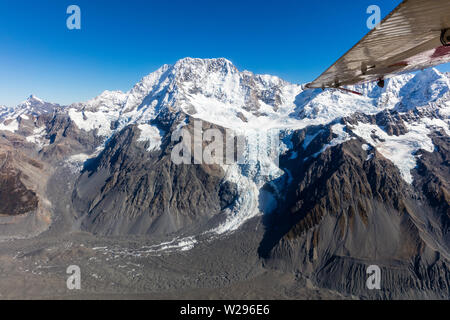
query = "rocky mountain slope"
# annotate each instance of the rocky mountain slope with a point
(360, 180)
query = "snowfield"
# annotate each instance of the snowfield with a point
(400, 150)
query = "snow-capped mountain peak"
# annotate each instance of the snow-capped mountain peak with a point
(33, 99)
(402, 93)
(32, 106)
(4, 110)
(424, 88)
(210, 89)
(105, 101)
(214, 90)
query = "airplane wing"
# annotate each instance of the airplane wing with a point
(416, 35)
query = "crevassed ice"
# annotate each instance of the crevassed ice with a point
(258, 168)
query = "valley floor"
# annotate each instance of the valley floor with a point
(125, 268)
(117, 269)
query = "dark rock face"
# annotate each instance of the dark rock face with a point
(340, 183)
(65, 138)
(15, 198)
(432, 178)
(345, 211)
(390, 121)
(128, 190)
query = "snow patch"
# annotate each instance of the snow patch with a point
(37, 137)
(12, 126)
(88, 121)
(400, 150)
(342, 136)
(177, 244)
(79, 158)
(437, 124)
(152, 135)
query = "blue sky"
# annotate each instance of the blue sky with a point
(122, 41)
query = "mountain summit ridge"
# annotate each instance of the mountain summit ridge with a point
(214, 88)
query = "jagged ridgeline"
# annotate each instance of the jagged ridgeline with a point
(357, 181)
